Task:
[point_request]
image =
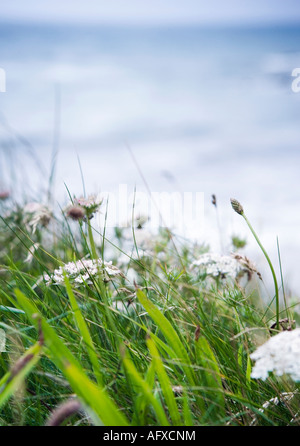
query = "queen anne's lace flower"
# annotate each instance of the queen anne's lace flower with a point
(217, 265)
(280, 355)
(223, 266)
(82, 271)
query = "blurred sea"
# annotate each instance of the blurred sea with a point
(202, 109)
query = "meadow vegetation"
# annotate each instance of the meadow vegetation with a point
(136, 328)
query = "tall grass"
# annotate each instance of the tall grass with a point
(159, 345)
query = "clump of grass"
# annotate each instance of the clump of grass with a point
(165, 342)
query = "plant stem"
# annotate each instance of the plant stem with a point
(92, 241)
(271, 267)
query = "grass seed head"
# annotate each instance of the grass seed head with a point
(236, 205)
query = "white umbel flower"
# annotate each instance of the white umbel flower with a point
(82, 271)
(217, 265)
(280, 355)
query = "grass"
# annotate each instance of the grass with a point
(160, 345)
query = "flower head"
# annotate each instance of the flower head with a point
(82, 271)
(76, 212)
(37, 214)
(216, 265)
(90, 204)
(280, 355)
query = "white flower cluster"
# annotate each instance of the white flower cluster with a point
(217, 265)
(82, 271)
(280, 355)
(91, 203)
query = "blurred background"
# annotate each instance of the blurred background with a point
(179, 95)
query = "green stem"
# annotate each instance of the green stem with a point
(282, 285)
(101, 284)
(92, 241)
(271, 267)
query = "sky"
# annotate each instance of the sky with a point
(151, 12)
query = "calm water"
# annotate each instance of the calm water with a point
(208, 110)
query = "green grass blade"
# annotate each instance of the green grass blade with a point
(92, 395)
(143, 387)
(187, 415)
(248, 372)
(211, 373)
(169, 333)
(12, 380)
(141, 403)
(84, 331)
(165, 383)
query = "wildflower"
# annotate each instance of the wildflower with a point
(82, 271)
(90, 204)
(76, 212)
(218, 266)
(36, 214)
(280, 355)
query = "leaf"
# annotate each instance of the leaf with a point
(84, 331)
(169, 333)
(165, 383)
(211, 373)
(143, 387)
(173, 339)
(92, 395)
(23, 366)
